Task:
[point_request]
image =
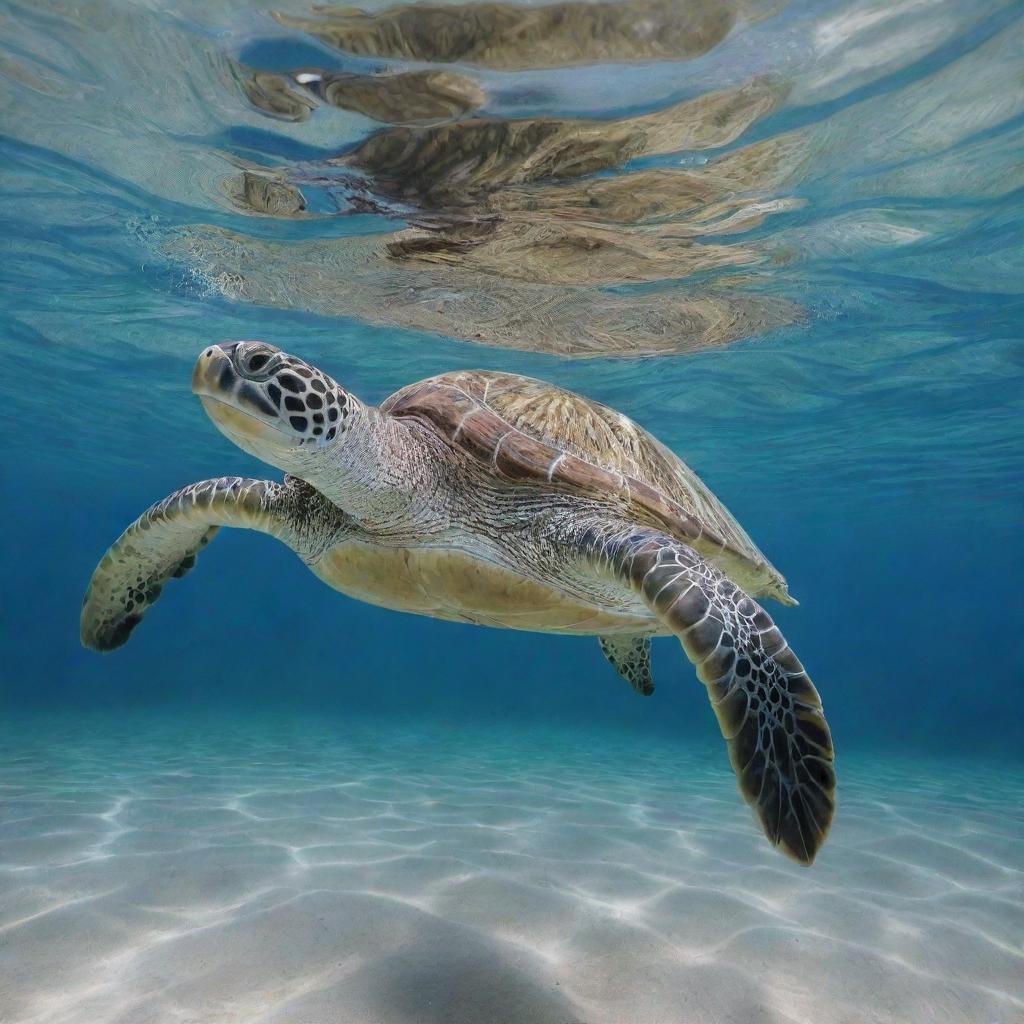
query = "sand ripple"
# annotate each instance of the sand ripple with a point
(311, 872)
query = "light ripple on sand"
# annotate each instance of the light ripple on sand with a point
(383, 873)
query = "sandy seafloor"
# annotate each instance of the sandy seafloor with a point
(306, 872)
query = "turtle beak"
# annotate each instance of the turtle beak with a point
(239, 407)
(224, 369)
(213, 375)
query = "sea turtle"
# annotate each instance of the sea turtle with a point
(497, 499)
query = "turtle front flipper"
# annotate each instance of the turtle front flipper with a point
(768, 709)
(162, 544)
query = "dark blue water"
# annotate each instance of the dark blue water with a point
(521, 837)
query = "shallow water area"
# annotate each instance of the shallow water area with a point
(292, 869)
(787, 242)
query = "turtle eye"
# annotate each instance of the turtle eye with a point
(254, 359)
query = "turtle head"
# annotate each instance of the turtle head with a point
(271, 404)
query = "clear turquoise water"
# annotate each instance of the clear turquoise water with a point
(277, 804)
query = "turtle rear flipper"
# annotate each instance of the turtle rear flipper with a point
(767, 707)
(630, 656)
(162, 544)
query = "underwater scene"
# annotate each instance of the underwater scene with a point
(512, 512)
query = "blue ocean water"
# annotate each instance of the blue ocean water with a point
(276, 803)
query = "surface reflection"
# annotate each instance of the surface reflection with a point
(519, 226)
(408, 98)
(514, 36)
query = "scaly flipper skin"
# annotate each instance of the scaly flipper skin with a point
(767, 707)
(631, 658)
(162, 544)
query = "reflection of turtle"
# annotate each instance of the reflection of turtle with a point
(495, 499)
(511, 243)
(514, 36)
(455, 165)
(411, 97)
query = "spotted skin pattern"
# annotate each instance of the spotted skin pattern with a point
(767, 707)
(277, 384)
(631, 658)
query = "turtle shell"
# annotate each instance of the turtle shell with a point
(532, 433)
